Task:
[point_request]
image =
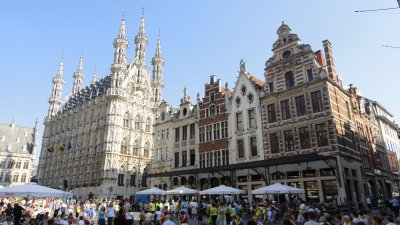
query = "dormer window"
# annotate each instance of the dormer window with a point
(244, 90)
(212, 110)
(163, 116)
(212, 97)
(289, 79)
(184, 111)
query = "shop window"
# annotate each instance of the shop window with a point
(330, 190)
(309, 173)
(293, 174)
(311, 189)
(256, 177)
(242, 178)
(327, 172)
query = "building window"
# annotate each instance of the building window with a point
(252, 118)
(316, 100)
(271, 113)
(224, 129)
(322, 134)
(201, 134)
(176, 159)
(217, 158)
(18, 165)
(8, 178)
(184, 158)
(300, 105)
(285, 109)
(1, 176)
(304, 134)
(146, 150)
(124, 149)
(289, 79)
(274, 143)
(192, 131)
(202, 161)
(126, 120)
(310, 75)
(132, 182)
(177, 138)
(3, 163)
(10, 164)
(184, 133)
(216, 131)
(209, 133)
(253, 146)
(15, 177)
(289, 141)
(137, 122)
(212, 97)
(192, 157)
(239, 121)
(207, 113)
(136, 148)
(271, 87)
(240, 148)
(121, 179)
(212, 110)
(225, 157)
(210, 156)
(148, 124)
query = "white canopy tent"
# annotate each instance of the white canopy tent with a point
(34, 190)
(278, 188)
(151, 191)
(221, 190)
(182, 191)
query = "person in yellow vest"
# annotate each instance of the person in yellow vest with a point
(213, 213)
(152, 207)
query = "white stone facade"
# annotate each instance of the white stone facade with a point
(17, 151)
(100, 139)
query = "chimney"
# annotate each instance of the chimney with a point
(212, 79)
(330, 64)
(320, 58)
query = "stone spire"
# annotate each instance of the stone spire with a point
(94, 77)
(120, 46)
(55, 99)
(158, 63)
(78, 77)
(36, 132)
(141, 41)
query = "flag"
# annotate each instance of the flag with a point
(69, 145)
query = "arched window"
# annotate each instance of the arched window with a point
(212, 110)
(10, 164)
(146, 150)
(18, 165)
(126, 120)
(135, 148)
(289, 79)
(26, 165)
(8, 178)
(148, 124)
(124, 146)
(137, 122)
(15, 177)
(23, 178)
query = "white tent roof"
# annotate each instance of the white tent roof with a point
(277, 188)
(181, 191)
(222, 189)
(33, 190)
(151, 191)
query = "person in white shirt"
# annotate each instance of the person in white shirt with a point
(81, 222)
(110, 213)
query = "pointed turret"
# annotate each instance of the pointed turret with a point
(120, 45)
(94, 77)
(158, 63)
(141, 41)
(36, 132)
(78, 77)
(55, 99)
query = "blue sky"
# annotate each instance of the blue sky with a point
(199, 38)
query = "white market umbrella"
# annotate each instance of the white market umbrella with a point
(222, 189)
(151, 191)
(181, 191)
(277, 188)
(34, 190)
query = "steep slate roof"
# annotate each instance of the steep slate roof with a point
(16, 139)
(99, 88)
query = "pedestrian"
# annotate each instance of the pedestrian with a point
(110, 214)
(221, 220)
(17, 211)
(377, 220)
(102, 216)
(184, 219)
(395, 206)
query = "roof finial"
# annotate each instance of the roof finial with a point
(142, 11)
(283, 22)
(94, 75)
(123, 13)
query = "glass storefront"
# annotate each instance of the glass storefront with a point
(330, 189)
(311, 189)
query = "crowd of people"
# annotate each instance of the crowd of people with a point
(46, 211)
